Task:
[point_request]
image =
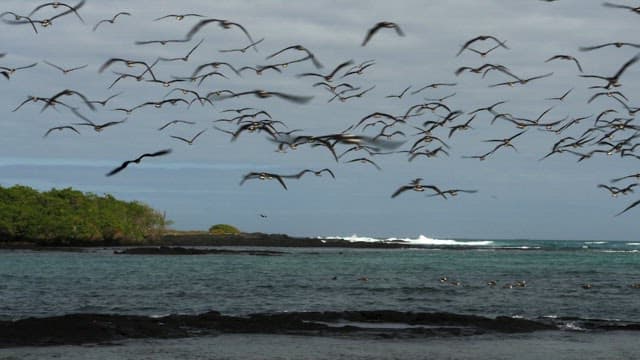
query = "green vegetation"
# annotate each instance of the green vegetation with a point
(223, 229)
(70, 217)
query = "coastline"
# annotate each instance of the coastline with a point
(79, 329)
(199, 239)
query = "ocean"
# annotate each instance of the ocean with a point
(585, 292)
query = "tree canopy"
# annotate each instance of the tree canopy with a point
(71, 217)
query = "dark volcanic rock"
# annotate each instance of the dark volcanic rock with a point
(95, 328)
(271, 240)
(176, 250)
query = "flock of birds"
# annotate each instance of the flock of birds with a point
(611, 132)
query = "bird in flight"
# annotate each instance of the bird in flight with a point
(178, 17)
(112, 20)
(381, 25)
(262, 94)
(189, 141)
(614, 80)
(176, 122)
(60, 128)
(416, 185)
(137, 161)
(481, 38)
(65, 71)
(263, 176)
(565, 57)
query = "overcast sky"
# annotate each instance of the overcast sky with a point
(197, 186)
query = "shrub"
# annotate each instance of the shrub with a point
(223, 229)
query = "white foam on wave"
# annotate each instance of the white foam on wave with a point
(633, 244)
(595, 242)
(420, 240)
(571, 326)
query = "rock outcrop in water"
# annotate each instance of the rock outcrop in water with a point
(98, 328)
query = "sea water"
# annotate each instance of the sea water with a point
(49, 283)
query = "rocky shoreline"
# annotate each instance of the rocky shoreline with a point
(178, 250)
(77, 329)
(191, 239)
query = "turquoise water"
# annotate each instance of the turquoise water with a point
(46, 283)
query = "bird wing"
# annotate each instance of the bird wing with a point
(633, 204)
(370, 33)
(293, 98)
(279, 178)
(626, 65)
(400, 190)
(119, 168)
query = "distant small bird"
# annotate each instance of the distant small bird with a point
(365, 160)
(263, 176)
(565, 57)
(329, 76)
(381, 25)
(414, 185)
(244, 49)
(55, 5)
(481, 38)
(614, 80)
(225, 24)
(178, 17)
(316, 63)
(189, 141)
(60, 128)
(399, 96)
(560, 98)
(315, 172)
(137, 161)
(175, 122)
(617, 44)
(262, 94)
(100, 127)
(65, 71)
(112, 20)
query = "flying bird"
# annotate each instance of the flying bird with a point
(565, 57)
(178, 17)
(617, 44)
(137, 161)
(316, 63)
(189, 141)
(225, 24)
(263, 176)
(176, 122)
(481, 38)
(315, 172)
(100, 127)
(416, 185)
(55, 5)
(364, 161)
(242, 50)
(263, 94)
(65, 71)
(60, 128)
(112, 20)
(614, 80)
(381, 25)
(329, 76)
